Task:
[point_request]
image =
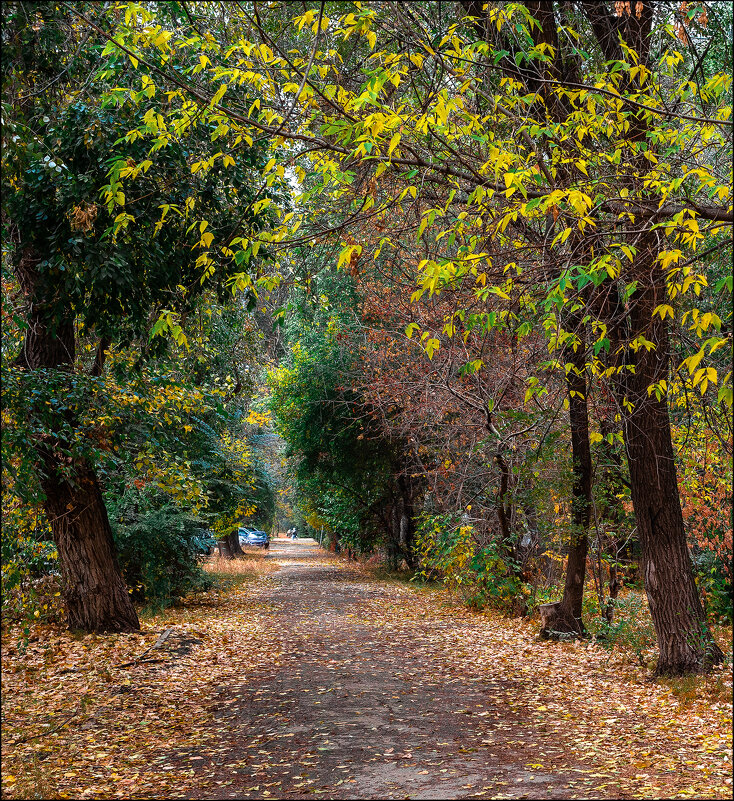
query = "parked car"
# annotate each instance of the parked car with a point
(243, 533)
(204, 542)
(254, 537)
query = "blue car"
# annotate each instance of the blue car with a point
(253, 537)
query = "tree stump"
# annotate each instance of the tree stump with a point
(557, 624)
(548, 613)
(233, 538)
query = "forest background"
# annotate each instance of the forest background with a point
(470, 261)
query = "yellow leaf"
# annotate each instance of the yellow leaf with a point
(663, 309)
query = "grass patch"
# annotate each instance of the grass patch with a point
(709, 690)
(252, 564)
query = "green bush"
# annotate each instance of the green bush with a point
(482, 575)
(539, 595)
(714, 584)
(27, 557)
(631, 628)
(158, 549)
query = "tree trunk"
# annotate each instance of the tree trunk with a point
(504, 511)
(224, 549)
(233, 538)
(406, 527)
(614, 587)
(94, 592)
(567, 615)
(394, 552)
(685, 643)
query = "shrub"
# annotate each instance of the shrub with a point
(631, 628)
(28, 557)
(483, 575)
(714, 584)
(157, 549)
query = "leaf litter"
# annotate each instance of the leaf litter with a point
(302, 675)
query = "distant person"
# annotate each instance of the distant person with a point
(294, 534)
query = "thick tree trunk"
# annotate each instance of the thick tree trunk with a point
(685, 643)
(94, 592)
(233, 538)
(224, 549)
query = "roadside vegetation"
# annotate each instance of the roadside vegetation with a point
(445, 286)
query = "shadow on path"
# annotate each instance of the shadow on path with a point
(356, 709)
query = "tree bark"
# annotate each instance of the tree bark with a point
(94, 592)
(685, 643)
(504, 513)
(406, 528)
(224, 549)
(567, 615)
(233, 538)
(684, 640)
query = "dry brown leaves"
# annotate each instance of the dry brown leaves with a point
(78, 725)
(656, 739)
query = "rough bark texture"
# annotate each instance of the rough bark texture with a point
(686, 645)
(223, 548)
(94, 592)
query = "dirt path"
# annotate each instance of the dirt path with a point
(354, 710)
(304, 676)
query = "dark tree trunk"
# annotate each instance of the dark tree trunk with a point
(685, 643)
(233, 538)
(614, 587)
(612, 482)
(393, 546)
(508, 541)
(94, 592)
(406, 526)
(566, 616)
(224, 549)
(504, 514)
(99, 357)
